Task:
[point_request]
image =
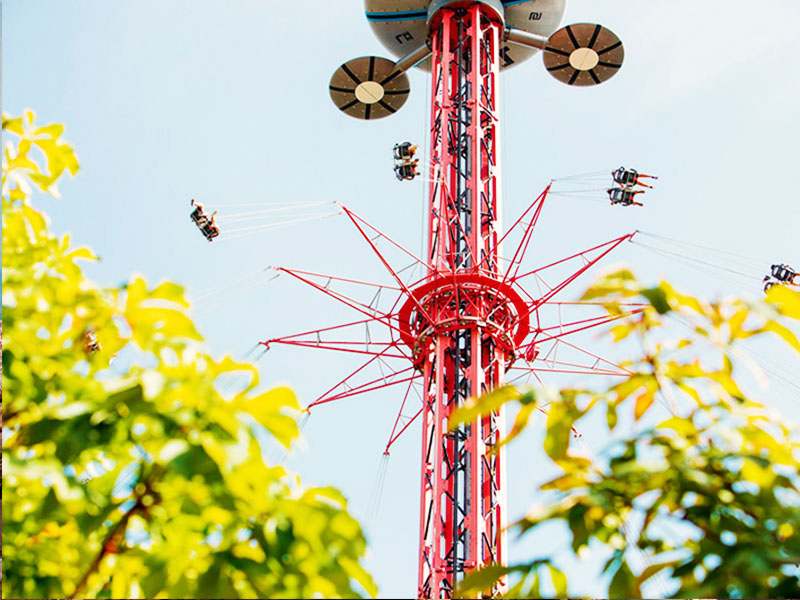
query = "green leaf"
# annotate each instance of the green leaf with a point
(643, 402)
(267, 409)
(658, 298)
(559, 582)
(486, 404)
(81, 253)
(520, 423)
(208, 582)
(171, 292)
(624, 584)
(611, 416)
(786, 300)
(785, 333)
(653, 569)
(476, 583)
(93, 462)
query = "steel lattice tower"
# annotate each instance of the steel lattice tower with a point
(466, 322)
(462, 519)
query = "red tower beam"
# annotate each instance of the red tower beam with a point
(468, 320)
(461, 516)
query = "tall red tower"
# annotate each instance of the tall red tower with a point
(465, 316)
(467, 321)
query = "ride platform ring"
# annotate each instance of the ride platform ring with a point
(508, 331)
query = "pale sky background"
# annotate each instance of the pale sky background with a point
(227, 102)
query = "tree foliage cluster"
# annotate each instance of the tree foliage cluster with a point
(708, 499)
(128, 470)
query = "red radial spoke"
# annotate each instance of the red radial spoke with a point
(370, 386)
(344, 381)
(596, 320)
(600, 365)
(610, 246)
(579, 329)
(537, 204)
(572, 371)
(393, 439)
(347, 280)
(333, 293)
(579, 303)
(519, 255)
(340, 347)
(354, 304)
(613, 243)
(326, 329)
(354, 217)
(392, 436)
(595, 356)
(558, 366)
(386, 264)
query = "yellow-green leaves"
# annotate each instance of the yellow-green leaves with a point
(619, 284)
(477, 583)
(484, 405)
(722, 471)
(562, 414)
(140, 481)
(492, 402)
(270, 410)
(21, 165)
(786, 301)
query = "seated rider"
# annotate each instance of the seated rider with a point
(404, 151)
(197, 213)
(630, 177)
(209, 228)
(204, 222)
(406, 170)
(624, 196)
(769, 282)
(783, 273)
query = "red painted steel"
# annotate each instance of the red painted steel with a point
(464, 323)
(467, 322)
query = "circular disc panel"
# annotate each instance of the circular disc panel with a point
(584, 54)
(402, 25)
(369, 88)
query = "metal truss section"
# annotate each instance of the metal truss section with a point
(463, 323)
(457, 322)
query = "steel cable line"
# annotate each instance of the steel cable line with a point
(580, 191)
(244, 216)
(627, 529)
(300, 426)
(735, 279)
(233, 296)
(589, 198)
(733, 255)
(248, 231)
(589, 175)
(205, 296)
(266, 204)
(276, 224)
(376, 495)
(747, 355)
(749, 276)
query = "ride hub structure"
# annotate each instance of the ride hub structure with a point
(465, 324)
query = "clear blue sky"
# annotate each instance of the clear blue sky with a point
(227, 102)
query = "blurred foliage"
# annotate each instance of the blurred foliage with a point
(141, 479)
(707, 499)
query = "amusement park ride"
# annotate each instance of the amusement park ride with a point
(468, 320)
(468, 324)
